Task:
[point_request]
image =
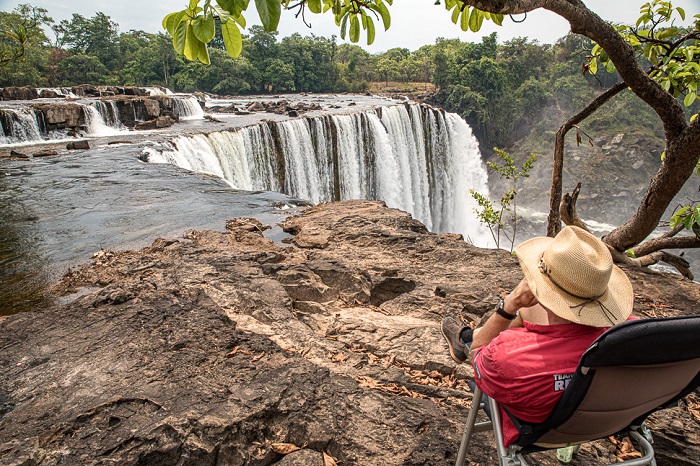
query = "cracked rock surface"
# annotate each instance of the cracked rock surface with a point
(219, 347)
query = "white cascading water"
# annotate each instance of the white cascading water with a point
(187, 108)
(62, 91)
(102, 119)
(19, 125)
(413, 157)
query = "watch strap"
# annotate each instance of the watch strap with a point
(502, 312)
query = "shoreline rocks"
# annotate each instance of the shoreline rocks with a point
(227, 348)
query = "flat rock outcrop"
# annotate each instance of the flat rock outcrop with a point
(19, 93)
(227, 348)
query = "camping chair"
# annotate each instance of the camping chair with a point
(635, 368)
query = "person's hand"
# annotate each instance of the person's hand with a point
(520, 297)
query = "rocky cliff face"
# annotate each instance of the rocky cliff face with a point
(227, 348)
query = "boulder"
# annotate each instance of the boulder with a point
(19, 93)
(160, 122)
(78, 145)
(17, 154)
(49, 94)
(47, 152)
(255, 107)
(62, 115)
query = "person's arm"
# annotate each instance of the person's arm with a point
(520, 297)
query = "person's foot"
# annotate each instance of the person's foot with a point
(451, 328)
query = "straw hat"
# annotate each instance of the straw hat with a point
(573, 276)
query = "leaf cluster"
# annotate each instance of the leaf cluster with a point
(194, 27)
(486, 210)
(468, 18)
(673, 52)
(688, 217)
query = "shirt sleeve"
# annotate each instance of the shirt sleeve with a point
(489, 376)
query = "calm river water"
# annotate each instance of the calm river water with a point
(56, 212)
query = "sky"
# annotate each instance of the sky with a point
(414, 23)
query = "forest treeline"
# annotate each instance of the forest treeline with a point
(500, 89)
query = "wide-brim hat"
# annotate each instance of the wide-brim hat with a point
(573, 276)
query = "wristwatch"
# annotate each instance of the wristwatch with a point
(502, 312)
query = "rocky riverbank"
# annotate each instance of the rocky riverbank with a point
(227, 348)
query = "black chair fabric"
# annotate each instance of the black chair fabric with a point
(642, 342)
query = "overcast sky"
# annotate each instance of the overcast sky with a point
(414, 22)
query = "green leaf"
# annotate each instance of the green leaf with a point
(174, 22)
(314, 5)
(203, 53)
(269, 11)
(689, 99)
(688, 222)
(223, 14)
(344, 25)
(179, 37)
(464, 19)
(241, 20)
(678, 217)
(681, 12)
(204, 28)
(232, 38)
(593, 66)
(384, 13)
(455, 15)
(191, 48)
(666, 33)
(234, 7)
(169, 17)
(354, 29)
(497, 19)
(476, 19)
(193, 4)
(370, 30)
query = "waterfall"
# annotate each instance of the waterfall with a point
(413, 157)
(19, 124)
(102, 119)
(62, 91)
(187, 108)
(158, 90)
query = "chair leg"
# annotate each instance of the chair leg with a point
(506, 456)
(469, 427)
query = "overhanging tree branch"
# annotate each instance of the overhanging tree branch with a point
(553, 223)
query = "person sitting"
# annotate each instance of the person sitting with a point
(526, 353)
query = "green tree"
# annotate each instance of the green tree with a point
(492, 216)
(278, 76)
(23, 46)
(97, 36)
(82, 69)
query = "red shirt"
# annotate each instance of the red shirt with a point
(527, 369)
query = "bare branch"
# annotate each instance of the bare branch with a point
(553, 223)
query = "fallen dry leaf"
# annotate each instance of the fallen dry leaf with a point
(284, 448)
(693, 404)
(626, 450)
(328, 460)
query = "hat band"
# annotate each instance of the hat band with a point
(586, 301)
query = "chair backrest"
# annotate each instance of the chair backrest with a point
(630, 371)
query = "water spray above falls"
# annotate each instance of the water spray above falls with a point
(413, 157)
